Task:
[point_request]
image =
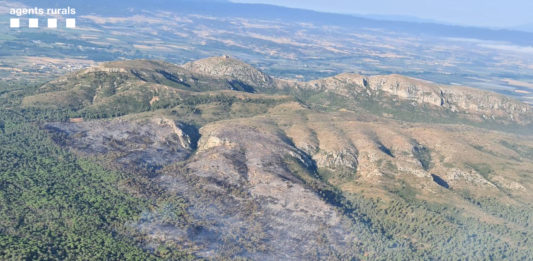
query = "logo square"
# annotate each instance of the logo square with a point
(33, 23)
(71, 23)
(52, 23)
(14, 23)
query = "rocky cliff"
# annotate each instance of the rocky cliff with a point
(465, 100)
(232, 69)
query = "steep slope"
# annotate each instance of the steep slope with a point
(247, 189)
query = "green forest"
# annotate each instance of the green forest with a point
(55, 205)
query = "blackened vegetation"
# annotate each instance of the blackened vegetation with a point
(335, 198)
(58, 135)
(238, 160)
(440, 181)
(328, 192)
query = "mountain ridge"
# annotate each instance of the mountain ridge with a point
(227, 73)
(268, 12)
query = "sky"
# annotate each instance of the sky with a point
(486, 13)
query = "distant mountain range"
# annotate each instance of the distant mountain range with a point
(524, 27)
(399, 18)
(271, 12)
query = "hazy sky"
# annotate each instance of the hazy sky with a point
(492, 13)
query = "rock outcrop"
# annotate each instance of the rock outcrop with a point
(232, 69)
(465, 100)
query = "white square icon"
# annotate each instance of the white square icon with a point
(52, 23)
(14, 23)
(71, 23)
(33, 23)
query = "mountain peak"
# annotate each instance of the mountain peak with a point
(229, 67)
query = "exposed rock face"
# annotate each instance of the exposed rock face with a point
(453, 98)
(471, 176)
(336, 160)
(232, 69)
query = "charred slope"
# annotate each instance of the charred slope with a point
(250, 193)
